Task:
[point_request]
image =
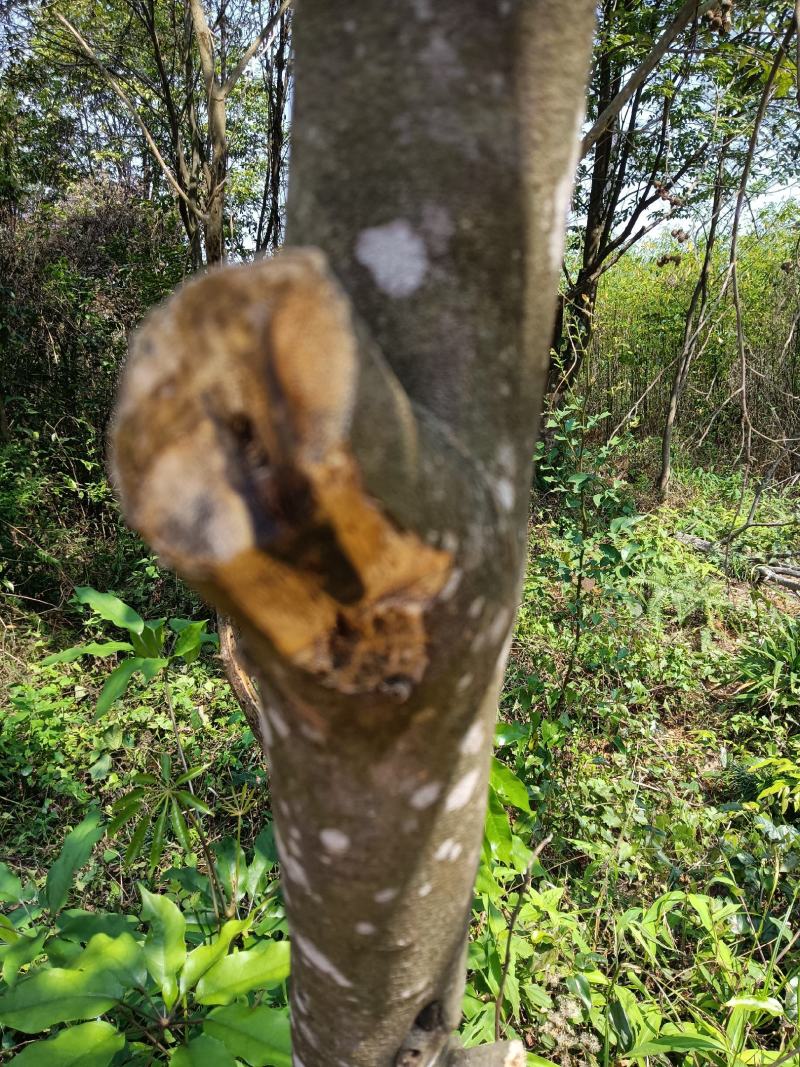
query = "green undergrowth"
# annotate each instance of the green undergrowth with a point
(637, 895)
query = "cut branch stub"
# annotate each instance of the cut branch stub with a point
(248, 484)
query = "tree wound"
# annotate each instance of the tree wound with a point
(232, 457)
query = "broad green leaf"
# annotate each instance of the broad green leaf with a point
(539, 1061)
(10, 885)
(92, 1044)
(189, 641)
(578, 984)
(508, 787)
(74, 854)
(497, 828)
(80, 925)
(165, 947)
(261, 967)
(110, 608)
(94, 648)
(767, 1004)
(57, 995)
(202, 959)
(120, 956)
(204, 1051)
(621, 1025)
(675, 1043)
(120, 678)
(260, 1035)
(24, 950)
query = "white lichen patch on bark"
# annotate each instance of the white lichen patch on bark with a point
(425, 796)
(473, 739)
(395, 255)
(461, 793)
(317, 959)
(334, 840)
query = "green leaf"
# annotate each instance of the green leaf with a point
(89, 1045)
(159, 833)
(110, 608)
(120, 956)
(261, 967)
(22, 951)
(74, 854)
(79, 925)
(57, 995)
(578, 985)
(204, 1051)
(497, 829)
(621, 1025)
(260, 1035)
(202, 959)
(189, 641)
(137, 840)
(508, 787)
(767, 1004)
(179, 825)
(119, 679)
(676, 1043)
(94, 648)
(539, 1061)
(165, 948)
(10, 885)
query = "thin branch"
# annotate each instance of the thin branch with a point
(526, 881)
(126, 100)
(691, 9)
(262, 41)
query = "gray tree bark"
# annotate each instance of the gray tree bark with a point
(334, 447)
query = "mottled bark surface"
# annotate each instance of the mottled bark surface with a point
(333, 446)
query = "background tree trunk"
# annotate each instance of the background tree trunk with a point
(342, 465)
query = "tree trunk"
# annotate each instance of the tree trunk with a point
(341, 464)
(695, 318)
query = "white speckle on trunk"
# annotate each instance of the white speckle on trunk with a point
(451, 584)
(278, 722)
(464, 682)
(425, 889)
(365, 929)
(425, 795)
(395, 256)
(448, 850)
(473, 739)
(476, 607)
(504, 491)
(461, 793)
(334, 840)
(320, 961)
(385, 896)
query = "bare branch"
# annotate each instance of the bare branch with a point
(691, 9)
(126, 100)
(262, 41)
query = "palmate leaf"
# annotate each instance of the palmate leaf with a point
(92, 1044)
